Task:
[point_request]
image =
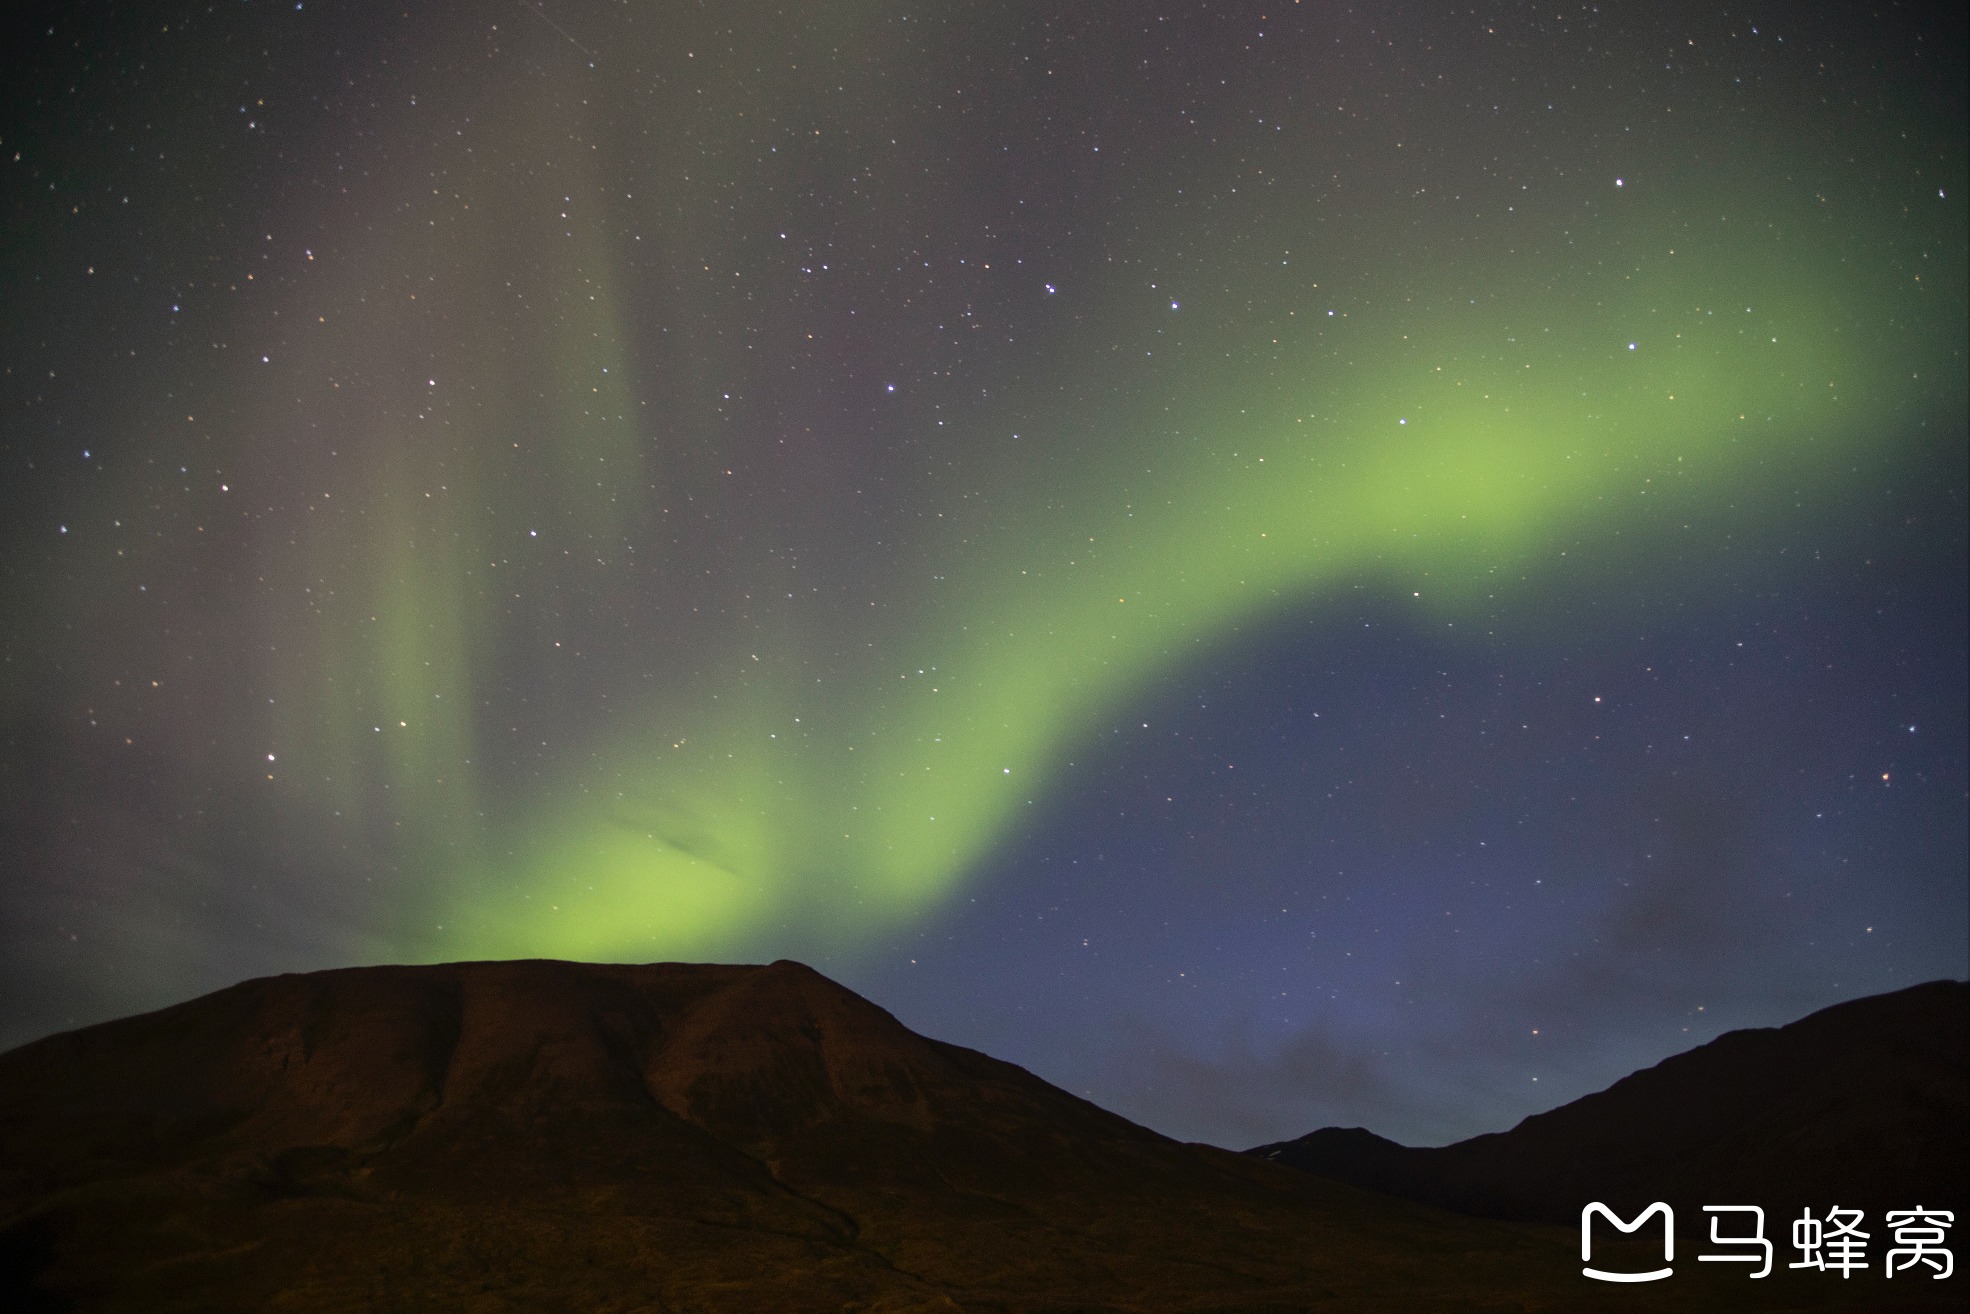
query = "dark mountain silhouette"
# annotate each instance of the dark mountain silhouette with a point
(1865, 1104)
(571, 1137)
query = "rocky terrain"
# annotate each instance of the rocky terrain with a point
(544, 1136)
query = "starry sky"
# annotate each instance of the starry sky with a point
(1276, 564)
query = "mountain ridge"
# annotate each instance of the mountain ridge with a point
(1862, 1103)
(540, 1135)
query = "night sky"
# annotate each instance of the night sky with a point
(1275, 564)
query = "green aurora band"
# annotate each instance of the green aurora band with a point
(1658, 364)
(1453, 458)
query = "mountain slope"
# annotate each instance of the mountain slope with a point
(572, 1137)
(1864, 1104)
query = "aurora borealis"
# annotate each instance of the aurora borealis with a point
(1274, 564)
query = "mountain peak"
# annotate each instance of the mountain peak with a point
(573, 1137)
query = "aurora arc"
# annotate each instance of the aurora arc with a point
(1444, 466)
(501, 397)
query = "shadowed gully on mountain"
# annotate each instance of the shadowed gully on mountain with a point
(542, 1135)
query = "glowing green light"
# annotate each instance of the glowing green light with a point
(1450, 444)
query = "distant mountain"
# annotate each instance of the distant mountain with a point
(1864, 1104)
(546, 1136)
